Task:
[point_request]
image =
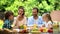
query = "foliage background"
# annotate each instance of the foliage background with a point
(43, 5)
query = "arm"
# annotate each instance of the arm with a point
(14, 23)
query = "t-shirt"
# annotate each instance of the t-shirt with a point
(49, 24)
(32, 21)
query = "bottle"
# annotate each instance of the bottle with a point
(59, 26)
(55, 24)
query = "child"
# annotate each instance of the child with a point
(47, 19)
(8, 20)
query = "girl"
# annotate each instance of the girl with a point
(47, 20)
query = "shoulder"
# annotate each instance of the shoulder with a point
(25, 18)
(6, 20)
(17, 17)
(49, 22)
(30, 17)
(40, 16)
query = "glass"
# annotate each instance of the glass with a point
(59, 26)
(55, 24)
(55, 27)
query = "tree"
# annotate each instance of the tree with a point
(45, 6)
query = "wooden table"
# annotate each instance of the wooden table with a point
(14, 32)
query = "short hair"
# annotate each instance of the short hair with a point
(21, 7)
(36, 9)
(8, 14)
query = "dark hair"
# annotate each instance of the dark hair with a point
(8, 14)
(21, 7)
(36, 9)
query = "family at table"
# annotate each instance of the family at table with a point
(11, 22)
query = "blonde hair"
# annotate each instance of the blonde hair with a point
(48, 16)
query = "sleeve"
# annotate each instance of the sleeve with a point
(5, 24)
(40, 21)
(50, 22)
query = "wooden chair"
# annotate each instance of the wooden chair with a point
(55, 15)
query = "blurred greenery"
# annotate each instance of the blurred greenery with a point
(43, 5)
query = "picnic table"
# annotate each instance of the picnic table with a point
(3, 31)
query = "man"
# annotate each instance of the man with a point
(35, 19)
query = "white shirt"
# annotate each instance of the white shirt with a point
(49, 24)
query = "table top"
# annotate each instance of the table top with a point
(7, 31)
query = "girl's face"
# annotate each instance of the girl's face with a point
(11, 17)
(20, 12)
(45, 18)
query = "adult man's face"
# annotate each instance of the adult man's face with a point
(34, 12)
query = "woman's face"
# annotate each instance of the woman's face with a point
(11, 17)
(20, 12)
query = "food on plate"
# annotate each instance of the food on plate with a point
(50, 30)
(43, 29)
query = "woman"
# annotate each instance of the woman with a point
(20, 19)
(8, 20)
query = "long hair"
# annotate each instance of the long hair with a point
(48, 16)
(21, 7)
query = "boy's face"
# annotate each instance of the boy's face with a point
(11, 17)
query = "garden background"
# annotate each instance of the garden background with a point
(45, 6)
